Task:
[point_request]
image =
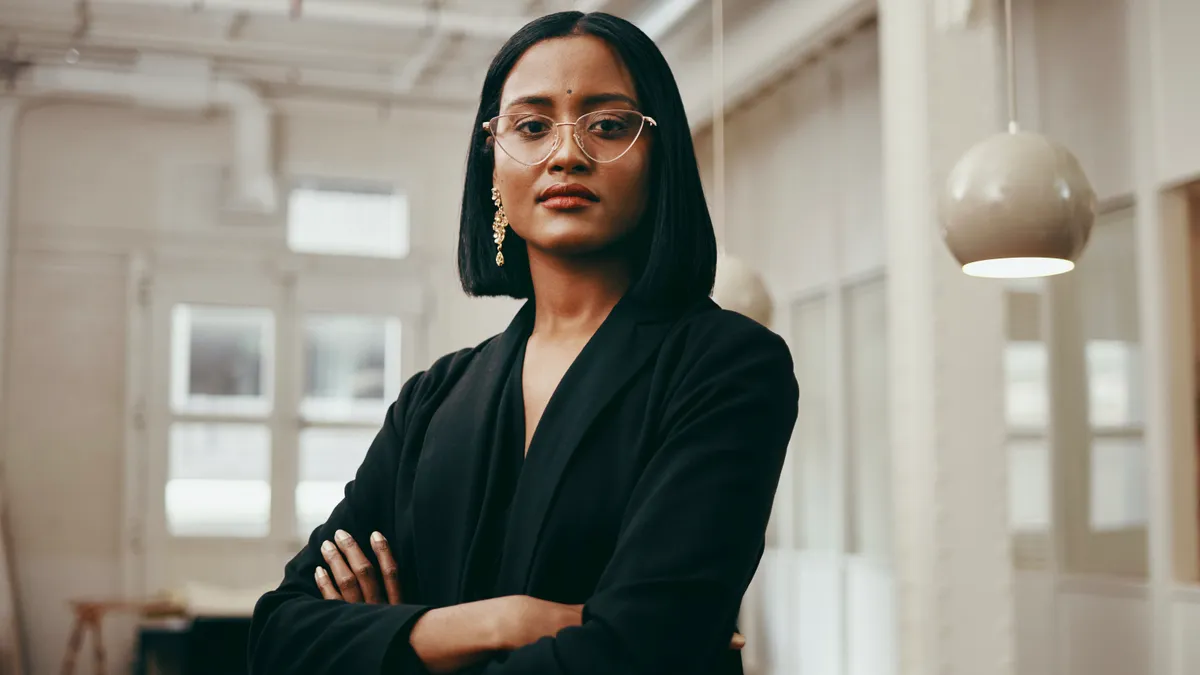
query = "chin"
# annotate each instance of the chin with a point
(570, 235)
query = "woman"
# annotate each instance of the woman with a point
(588, 491)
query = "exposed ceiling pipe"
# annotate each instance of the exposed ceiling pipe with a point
(252, 185)
(348, 11)
(663, 17)
(414, 69)
(589, 6)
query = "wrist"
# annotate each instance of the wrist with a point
(502, 622)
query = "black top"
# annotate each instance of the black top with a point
(504, 469)
(644, 495)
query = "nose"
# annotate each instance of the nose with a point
(568, 156)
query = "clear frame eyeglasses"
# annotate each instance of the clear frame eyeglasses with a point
(604, 135)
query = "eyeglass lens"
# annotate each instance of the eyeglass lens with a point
(603, 135)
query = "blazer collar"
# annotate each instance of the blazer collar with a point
(626, 339)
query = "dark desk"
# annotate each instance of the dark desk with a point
(200, 646)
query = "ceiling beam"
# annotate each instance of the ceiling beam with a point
(414, 69)
(589, 6)
(49, 35)
(768, 43)
(662, 18)
(345, 11)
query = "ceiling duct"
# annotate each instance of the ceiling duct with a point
(186, 85)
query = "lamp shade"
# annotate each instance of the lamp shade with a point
(740, 289)
(1017, 205)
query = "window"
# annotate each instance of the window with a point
(226, 430)
(342, 221)
(1113, 371)
(813, 461)
(841, 442)
(1027, 411)
(222, 360)
(867, 437)
(351, 375)
(1027, 417)
(218, 471)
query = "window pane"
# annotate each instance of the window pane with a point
(1118, 495)
(866, 362)
(329, 459)
(218, 480)
(814, 462)
(1114, 383)
(352, 367)
(348, 222)
(1108, 293)
(1028, 485)
(1027, 404)
(221, 360)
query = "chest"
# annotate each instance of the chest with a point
(541, 372)
(562, 523)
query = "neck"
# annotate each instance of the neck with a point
(573, 297)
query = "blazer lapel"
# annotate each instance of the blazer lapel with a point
(620, 347)
(453, 472)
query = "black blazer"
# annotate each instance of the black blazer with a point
(645, 495)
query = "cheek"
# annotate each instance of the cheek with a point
(513, 178)
(633, 183)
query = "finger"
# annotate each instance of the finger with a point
(325, 585)
(360, 565)
(737, 641)
(388, 569)
(342, 575)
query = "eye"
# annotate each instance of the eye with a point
(609, 125)
(531, 126)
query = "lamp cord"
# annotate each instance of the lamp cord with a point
(1010, 54)
(718, 131)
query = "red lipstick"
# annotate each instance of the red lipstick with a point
(567, 196)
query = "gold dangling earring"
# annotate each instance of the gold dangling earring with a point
(499, 225)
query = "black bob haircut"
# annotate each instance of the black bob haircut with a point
(673, 249)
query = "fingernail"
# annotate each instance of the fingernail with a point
(328, 547)
(320, 573)
(342, 536)
(377, 538)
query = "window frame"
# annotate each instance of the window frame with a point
(342, 185)
(291, 285)
(844, 469)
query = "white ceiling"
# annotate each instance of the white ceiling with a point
(373, 50)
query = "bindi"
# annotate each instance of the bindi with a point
(569, 92)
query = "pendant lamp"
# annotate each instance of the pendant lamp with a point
(1018, 204)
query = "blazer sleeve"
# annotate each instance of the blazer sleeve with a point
(693, 533)
(294, 630)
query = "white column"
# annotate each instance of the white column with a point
(10, 110)
(1161, 237)
(941, 94)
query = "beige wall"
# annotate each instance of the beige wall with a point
(94, 183)
(804, 204)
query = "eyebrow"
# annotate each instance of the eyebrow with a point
(542, 101)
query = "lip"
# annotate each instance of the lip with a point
(560, 194)
(566, 203)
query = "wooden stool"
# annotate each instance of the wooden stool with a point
(89, 615)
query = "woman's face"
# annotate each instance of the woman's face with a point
(562, 79)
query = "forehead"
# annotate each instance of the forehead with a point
(581, 64)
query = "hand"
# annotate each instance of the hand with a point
(353, 577)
